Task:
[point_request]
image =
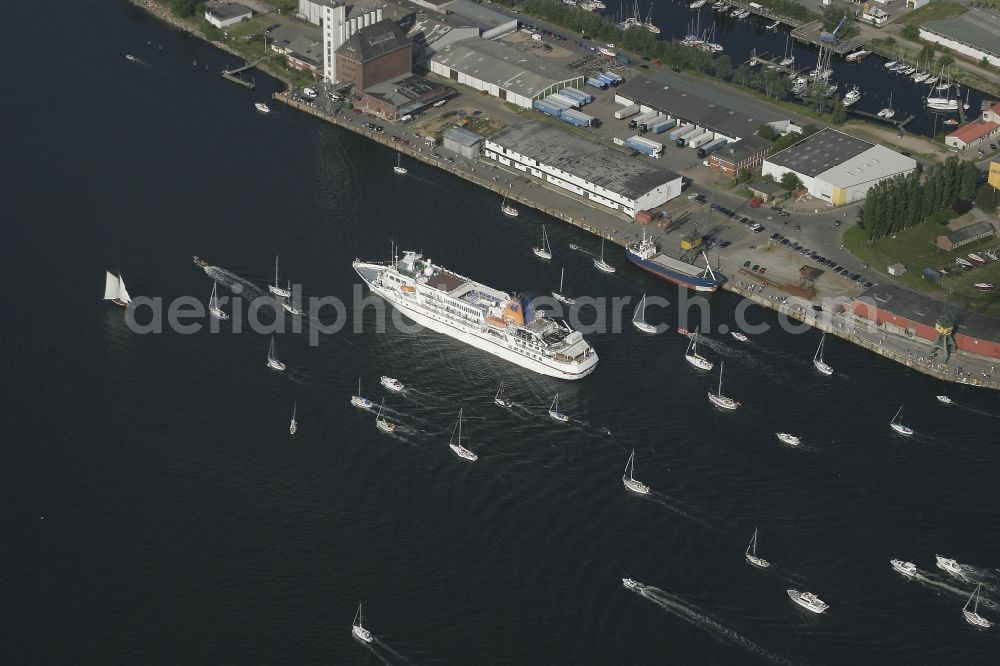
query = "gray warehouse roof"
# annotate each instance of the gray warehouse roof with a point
(820, 152)
(692, 108)
(463, 137)
(977, 27)
(926, 310)
(229, 10)
(971, 231)
(504, 66)
(593, 162)
(481, 15)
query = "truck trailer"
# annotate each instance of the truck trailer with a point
(614, 77)
(681, 130)
(711, 147)
(560, 99)
(577, 118)
(597, 83)
(645, 146)
(576, 92)
(701, 140)
(546, 108)
(635, 122)
(662, 126)
(692, 133)
(627, 111)
(646, 126)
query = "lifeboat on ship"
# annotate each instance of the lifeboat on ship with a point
(408, 289)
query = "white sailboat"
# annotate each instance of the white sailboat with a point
(751, 553)
(287, 305)
(897, 423)
(558, 295)
(272, 357)
(888, 112)
(455, 443)
(293, 426)
(274, 288)
(601, 264)
(114, 290)
(639, 318)
(381, 423)
(720, 400)
(358, 629)
(818, 361)
(501, 401)
(629, 481)
(360, 400)
(693, 357)
(545, 251)
(213, 304)
(506, 208)
(554, 412)
(399, 168)
(973, 617)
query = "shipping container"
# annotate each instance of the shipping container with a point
(690, 134)
(711, 147)
(562, 102)
(662, 126)
(576, 92)
(627, 111)
(546, 108)
(680, 131)
(700, 140)
(651, 148)
(577, 118)
(596, 83)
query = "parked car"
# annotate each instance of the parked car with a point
(755, 203)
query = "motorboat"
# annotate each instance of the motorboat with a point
(129, 56)
(639, 318)
(629, 481)
(455, 443)
(906, 568)
(358, 629)
(606, 51)
(751, 553)
(272, 357)
(897, 423)
(976, 259)
(808, 600)
(739, 337)
(392, 384)
(263, 108)
(544, 251)
(293, 425)
(791, 440)
(719, 400)
(949, 565)
(629, 583)
(818, 361)
(500, 400)
(693, 357)
(973, 617)
(852, 96)
(984, 286)
(554, 412)
(200, 262)
(602, 265)
(945, 399)
(383, 424)
(961, 261)
(360, 400)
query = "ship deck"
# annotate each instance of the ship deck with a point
(677, 265)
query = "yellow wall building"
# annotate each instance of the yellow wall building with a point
(994, 179)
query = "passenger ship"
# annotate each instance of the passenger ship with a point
(485, 318)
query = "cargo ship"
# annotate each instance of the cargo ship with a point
(480, 316)
(647, 256)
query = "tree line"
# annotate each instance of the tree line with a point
(938, 195)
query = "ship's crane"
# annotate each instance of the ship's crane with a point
(831, 37)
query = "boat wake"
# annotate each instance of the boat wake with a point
(949, 583)
(400, 659)
(744, 356)
(688, 512)
(374, 648)
(702, 620)
(976, 410)
(233, 282)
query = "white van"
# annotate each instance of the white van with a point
(309, 92)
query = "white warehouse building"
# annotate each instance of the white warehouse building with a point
(837, 167)
(975, 34)
(592, 170)
(502, 71)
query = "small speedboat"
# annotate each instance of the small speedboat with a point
(129, 56)
(945, 399)
(392, 384)
(263, 108)
(630, 584)
(963, 262)
(808, 600)
(200, 262)
(908, 569)
(984, 286)
(976, 259)
(949, 565)
(739, 336)
(791, 440)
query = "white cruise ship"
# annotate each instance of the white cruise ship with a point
(485, 318)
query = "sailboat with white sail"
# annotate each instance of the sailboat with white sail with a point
(293, 426)
(897, 423)
(751, 553)
(693, 357)
(213, 304)
(602, 265)
(719, 400)
(973, 617)
(455, 443)
(629, 480)
(639, 318)
(818, 361)
(272, 357)
(114, 290)
(358, 628)
(506, 208)
(360, 400)
(381, 423)
(545, 251)
(500, 400)
(558, 295)
(648, 23)
(554, 412)
(399, 168)
(275, 288)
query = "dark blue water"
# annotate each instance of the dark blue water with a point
(740, 37)
(155, 509)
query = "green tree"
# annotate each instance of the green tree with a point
(945, 60)
(839, 114)
(723, 66)
(765, 131)
(790, 181)
(911, 32)
(988, 198)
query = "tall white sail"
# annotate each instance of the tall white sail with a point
(110, 287)
(122, 293)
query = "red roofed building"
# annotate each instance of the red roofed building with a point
(972, 133)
